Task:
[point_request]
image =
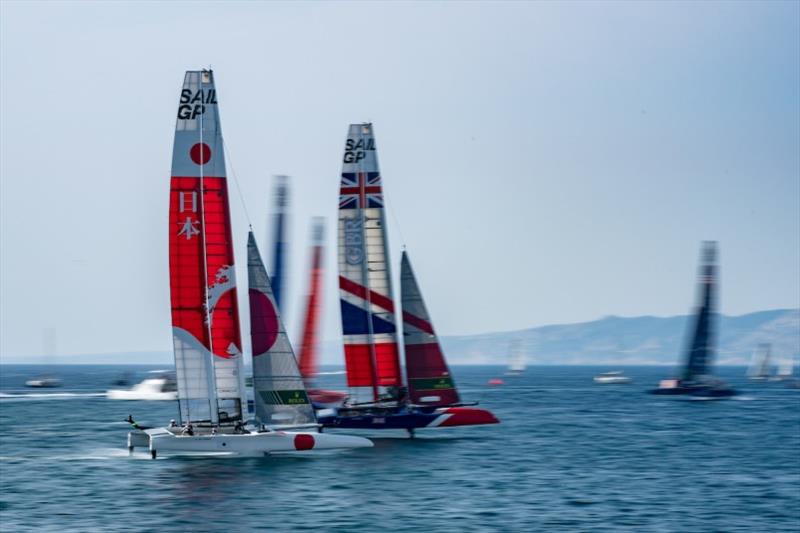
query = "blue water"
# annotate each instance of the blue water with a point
(569, 455)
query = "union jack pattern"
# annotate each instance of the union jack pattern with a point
(360, 190)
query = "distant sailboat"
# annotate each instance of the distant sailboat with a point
(759, 366)
(516, 364)
(785, 369)
(379, 400)
(205, 318)
(309, 348)
(696, 378)
(49, 348)
(281, 205)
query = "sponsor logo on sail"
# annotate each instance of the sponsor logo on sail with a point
(353, 241)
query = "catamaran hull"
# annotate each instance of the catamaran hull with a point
(161, 441)
(705, 392)
(414, 419)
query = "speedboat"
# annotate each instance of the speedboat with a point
(612, 378)
(43, 382)
(159, 386)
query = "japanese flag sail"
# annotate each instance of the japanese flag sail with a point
(368, 323)
(205, 317)
(429, 378)
(278, 389)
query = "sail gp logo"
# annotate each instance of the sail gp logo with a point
(355, 151)
(193, 103)
(353, 241)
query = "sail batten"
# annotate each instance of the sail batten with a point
(429, 379)
(205, 318)
(279, 392)
(366, 301)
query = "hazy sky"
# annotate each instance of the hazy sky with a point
(543, 162)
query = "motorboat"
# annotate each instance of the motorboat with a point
(615, 377)
(159, 385)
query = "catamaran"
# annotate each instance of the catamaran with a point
(378, 398)
(205, 317)
(308, 348)
(696, 379)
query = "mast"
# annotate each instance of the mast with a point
(308, 349)
(278, 390)
(701, 344)
(205, 317)
(281, 199)
(368, 322)
(429, 378)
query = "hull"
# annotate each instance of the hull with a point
(698, 391)
(402, 418)
(125, 394)
(611, 380)
(44, 383)
(162, 441)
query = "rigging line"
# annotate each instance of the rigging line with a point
(394, 219)
(236, 181)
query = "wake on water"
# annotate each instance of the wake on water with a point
(30, 396)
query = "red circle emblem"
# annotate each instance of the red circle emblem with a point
(263, 322)
(200, 153)
(303, 441)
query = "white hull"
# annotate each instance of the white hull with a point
(125, 394)
(149, 389)
(612, 380)
(162, 441)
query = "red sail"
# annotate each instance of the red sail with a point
(308, 349)
(429, 379)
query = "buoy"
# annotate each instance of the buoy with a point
(496, 381)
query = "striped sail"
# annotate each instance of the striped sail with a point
(368, 323)
(429, 378)
(308, 349)
(278, 391)
(279, 238)
(205, 317)
(701, 343)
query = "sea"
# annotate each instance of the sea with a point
(568, 455)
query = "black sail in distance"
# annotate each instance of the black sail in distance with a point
(701, 346)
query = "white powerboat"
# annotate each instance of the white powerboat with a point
(43, 383)
(160, 386)
(612, 378)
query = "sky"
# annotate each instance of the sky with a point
(543, 163)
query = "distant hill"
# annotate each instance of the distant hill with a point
(613, 340)
(645, 340)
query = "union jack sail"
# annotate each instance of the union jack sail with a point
(368, 322)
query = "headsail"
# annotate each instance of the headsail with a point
(368, 323)
(429, 378)
(279, 238)
(308, 349)
(701, 344)
(279, 394)
(205, 316)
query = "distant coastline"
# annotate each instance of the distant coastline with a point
(630, 341)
